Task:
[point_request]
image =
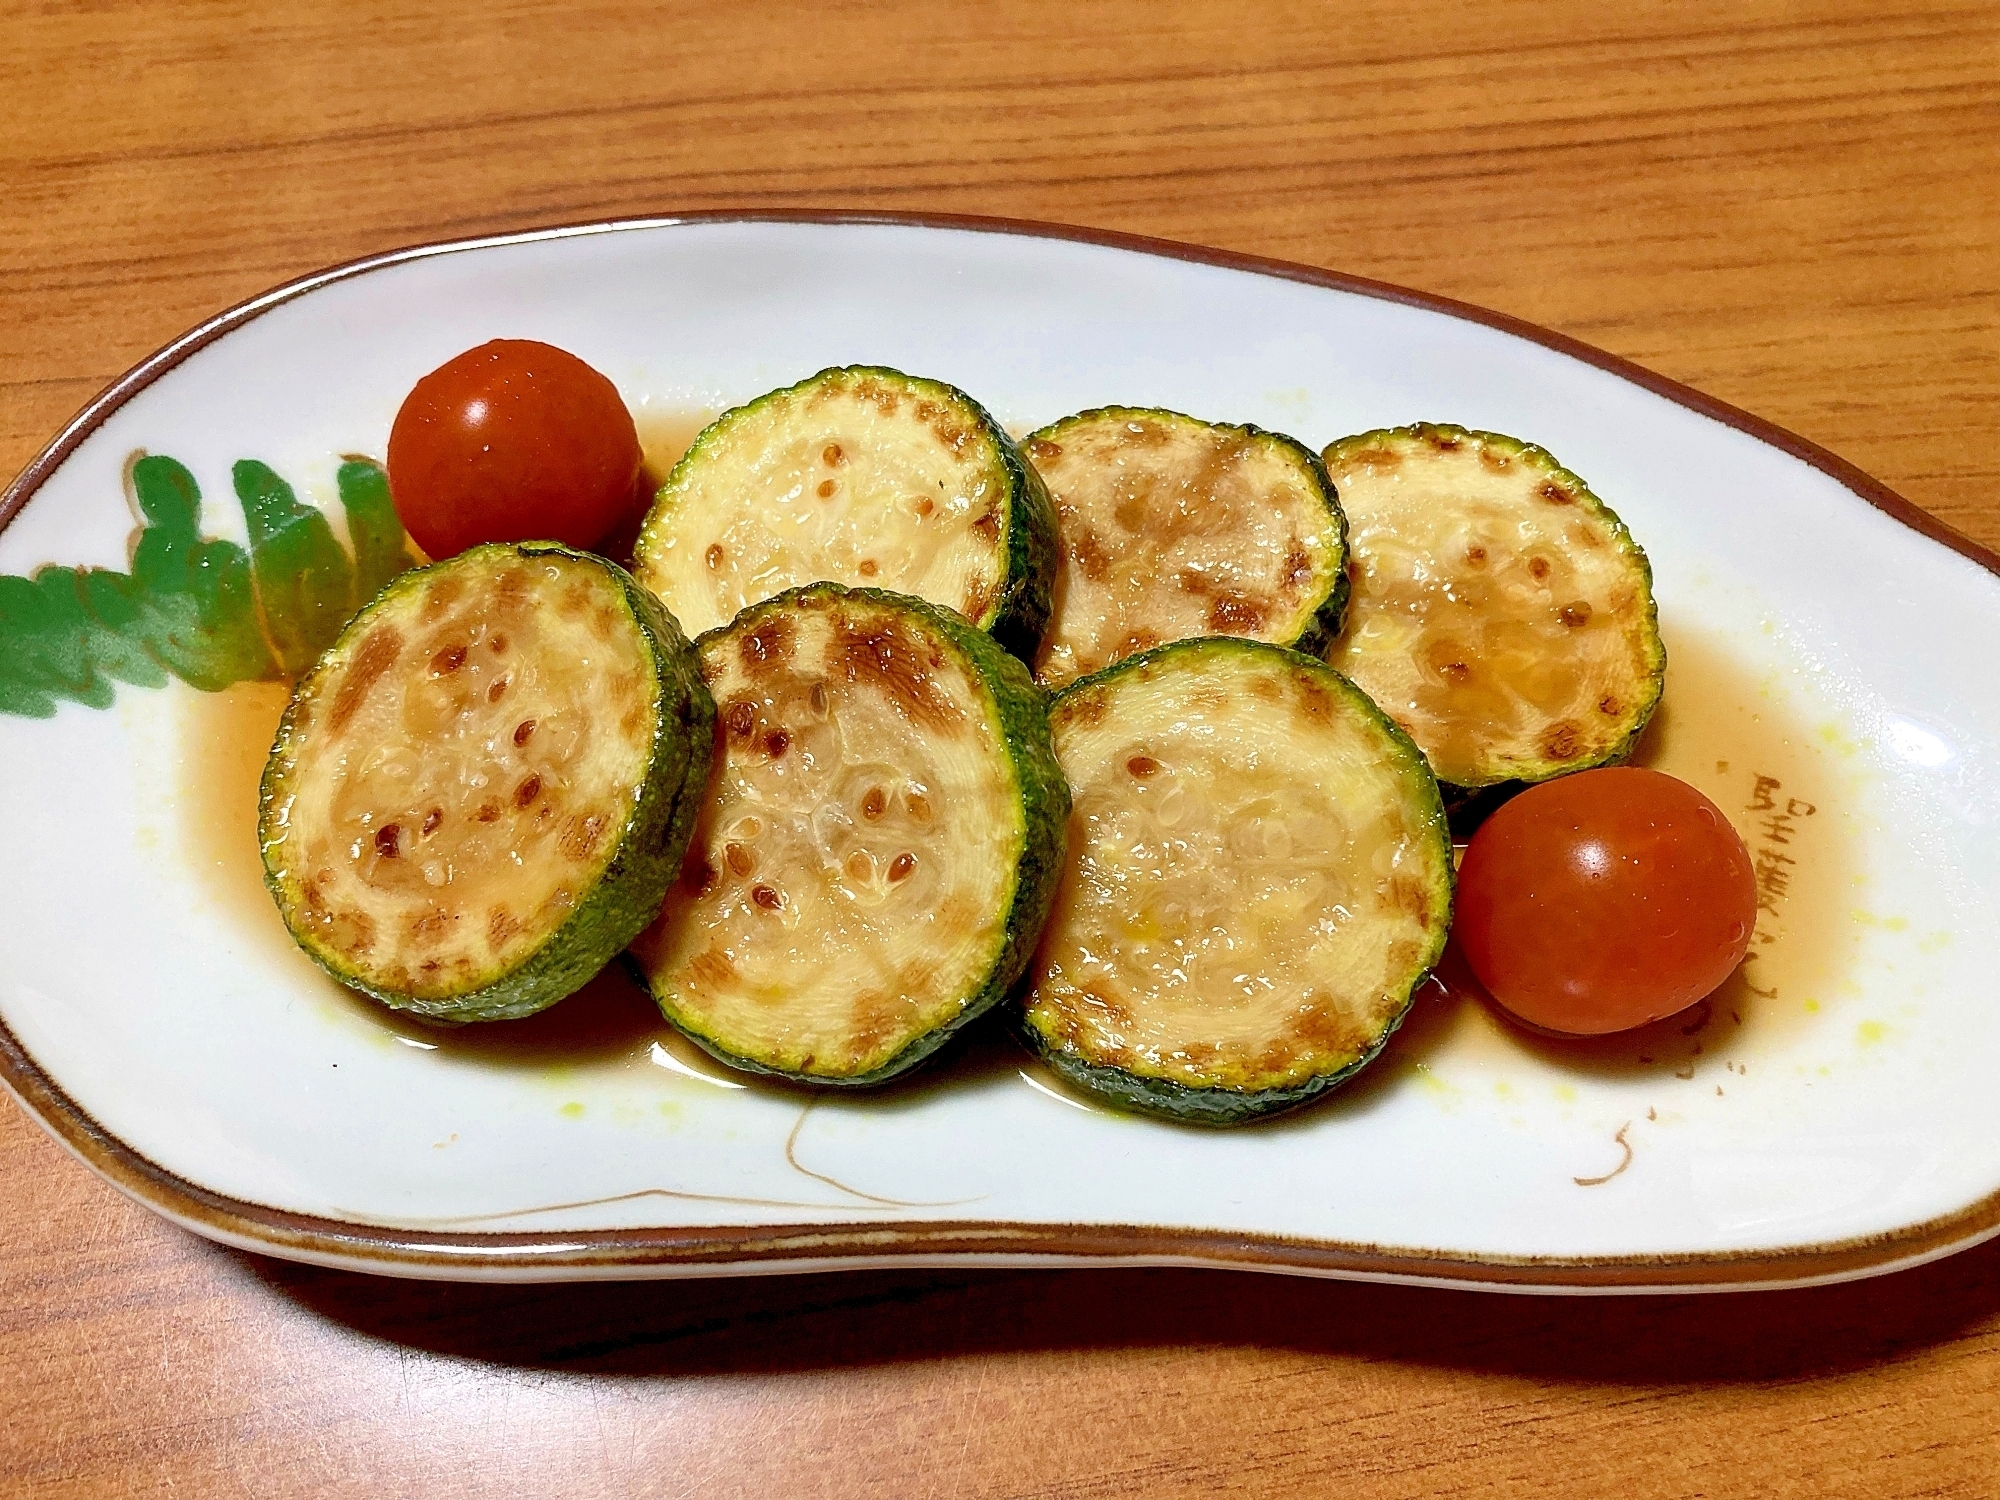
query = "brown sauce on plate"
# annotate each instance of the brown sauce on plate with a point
(1738, 736)
(1743, 739)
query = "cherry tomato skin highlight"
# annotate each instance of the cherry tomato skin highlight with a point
(1604, 900)
(513, 441)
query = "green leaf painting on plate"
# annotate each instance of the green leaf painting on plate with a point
(201, 609)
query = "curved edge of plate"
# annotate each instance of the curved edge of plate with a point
(143, 374)
(768, 1249)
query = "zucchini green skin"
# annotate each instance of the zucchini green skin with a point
(1180, 1104)
(627, 892)
(1319, 631)
(1470, 804)
(1169, 1099)
(1029, 597)
(1019, 612)
(1019, 712)
(1332, 611)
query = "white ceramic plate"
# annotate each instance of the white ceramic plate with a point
(1832, 686)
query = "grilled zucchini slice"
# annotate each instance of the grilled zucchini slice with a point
(1502, 614)
(879, 847)
(484, 788)
(1173, 527)
(1259, 876)
(862, 476)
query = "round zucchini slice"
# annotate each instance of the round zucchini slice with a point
(1172, 527)
(484, 788)
(1259, 876)
(879, 846)
(862, 476)
(1502, 614)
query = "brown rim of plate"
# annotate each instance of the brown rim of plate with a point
(610, 1252)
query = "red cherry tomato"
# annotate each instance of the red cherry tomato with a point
(1604, 900)
(510, 442)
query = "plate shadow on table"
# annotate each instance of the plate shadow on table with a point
(769, 1325)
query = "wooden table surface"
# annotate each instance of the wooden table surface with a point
(1794, 207)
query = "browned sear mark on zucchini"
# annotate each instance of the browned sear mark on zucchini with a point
(501, 925)
(884, 654)
(767, 647)
(1237, 614)
(375, 656)
(580, 836)
(427, 929)
(1319, 1027)
(441, 595)
(711, 968)
(1298, 566)
(1089, 556)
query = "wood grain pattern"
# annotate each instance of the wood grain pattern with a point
(1789, 205)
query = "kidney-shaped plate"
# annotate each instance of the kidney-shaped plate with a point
(1831, 1113)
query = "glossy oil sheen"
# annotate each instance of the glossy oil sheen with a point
(1839, 1118)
